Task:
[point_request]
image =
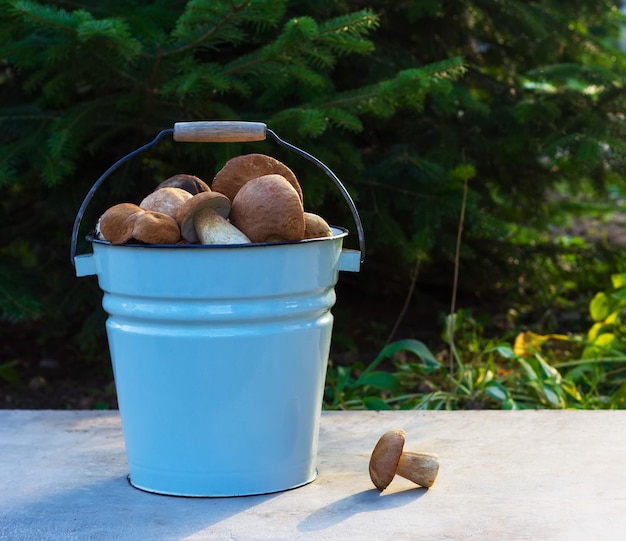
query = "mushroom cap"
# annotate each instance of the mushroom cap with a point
(113, 225)
(268, 207)
(385, 458)
(241, 169)
(200, 202)
(189, 183)
(315, 226)
(166, 200)
(155, 228)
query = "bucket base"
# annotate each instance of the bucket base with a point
(216, 495)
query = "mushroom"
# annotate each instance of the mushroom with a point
(315, 226)
(203, 218)
(241, 169)
(153, 227)
(268, 208)
(114, 225)
(189, 183)
(166, 200)
(389, 459)
(125, 221)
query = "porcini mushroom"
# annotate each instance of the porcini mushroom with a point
(268, 208)
(189, 183)
(166, 200)
(315, 226)
(203, 219)
(389, 459)
(239, 170)
(152, 227)
(114, 225)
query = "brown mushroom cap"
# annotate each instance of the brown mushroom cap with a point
(153, 227)
(268, 207)
(189, 183)
(315, 226)
(113, 225)
(204, 200)
(166, 200)
(241, 169)
(385, 458)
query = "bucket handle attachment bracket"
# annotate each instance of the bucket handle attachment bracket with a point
(218, 132)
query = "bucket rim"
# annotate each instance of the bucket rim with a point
(338, 233)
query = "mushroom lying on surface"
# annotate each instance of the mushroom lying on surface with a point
(203, 219)
(269, 209)
(388, 460)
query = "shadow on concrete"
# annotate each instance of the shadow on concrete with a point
(361, 502)
(113, 509)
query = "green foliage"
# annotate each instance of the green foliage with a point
(606, 339)
(9, 372)
(407, 102)
(481, 373)
(83, 85)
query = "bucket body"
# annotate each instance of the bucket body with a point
(219, 355)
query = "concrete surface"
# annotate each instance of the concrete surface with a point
(504, 475)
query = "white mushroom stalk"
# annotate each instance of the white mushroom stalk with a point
(212, 228)
(203, 219)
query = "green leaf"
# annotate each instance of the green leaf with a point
(531, 375)
(463, 172)
(378, 380)
(375, 403)
(600, 306)
(619, 294)
(601, 346)
(548, 370)
(497, 390)
(618, 398)
(552, 395)
(618, 280)
(505, 351)
(343, 377)
(417, 348)
(9, 372)
(599, 328)
(572, 390)
(509, 404)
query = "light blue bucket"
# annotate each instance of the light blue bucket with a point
(219, 352)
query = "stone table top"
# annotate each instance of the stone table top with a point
(524, 475)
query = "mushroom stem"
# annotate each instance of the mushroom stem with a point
(213, 228)
(421, 468)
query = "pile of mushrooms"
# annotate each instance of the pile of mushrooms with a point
(254, 198)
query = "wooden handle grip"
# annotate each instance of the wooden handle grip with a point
(219, 131)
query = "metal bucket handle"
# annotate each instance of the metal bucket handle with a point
(218, 132)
